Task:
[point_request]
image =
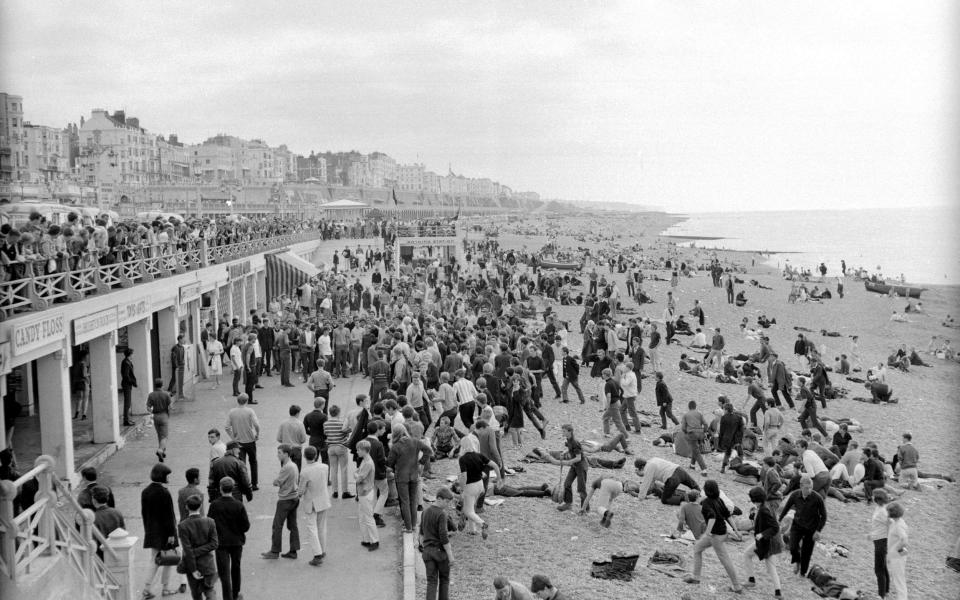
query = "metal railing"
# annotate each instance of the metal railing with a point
(77, 278)
(53, 525)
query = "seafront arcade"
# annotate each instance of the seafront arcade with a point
(48, 337)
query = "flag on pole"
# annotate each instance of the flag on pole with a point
(459, 210)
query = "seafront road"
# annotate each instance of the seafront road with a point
(348, 570)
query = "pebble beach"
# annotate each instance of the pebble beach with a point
(529, 536)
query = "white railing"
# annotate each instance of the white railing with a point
(53, 525)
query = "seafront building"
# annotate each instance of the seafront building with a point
(113, 161)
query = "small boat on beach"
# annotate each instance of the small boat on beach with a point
(907, 291)
(563, 266)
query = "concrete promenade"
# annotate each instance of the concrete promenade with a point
(348, 570)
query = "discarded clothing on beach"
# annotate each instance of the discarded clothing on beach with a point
(856, 379)
(799, 328)
(826, 333)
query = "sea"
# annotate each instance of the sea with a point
(921, 244)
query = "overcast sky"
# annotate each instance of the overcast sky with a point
(692, 106)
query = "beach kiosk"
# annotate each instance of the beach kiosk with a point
(419, 245)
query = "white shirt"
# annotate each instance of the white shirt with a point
(699, 339)
(628, 381)
(812, 463)
(323, 343)
(236, 357)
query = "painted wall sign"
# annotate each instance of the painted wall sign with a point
(37, 333)
(91, 326)
(189, 292)
(134, 311)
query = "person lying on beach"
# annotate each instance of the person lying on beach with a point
(526, 491)
(756, 284)
(899, 318)
(764, 322)
(539, 455)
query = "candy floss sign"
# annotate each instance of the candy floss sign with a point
(37, 333)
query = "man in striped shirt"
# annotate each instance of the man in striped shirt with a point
(337, 434)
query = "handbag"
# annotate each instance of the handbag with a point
(557, 493)
(167, 558)
(52, 265)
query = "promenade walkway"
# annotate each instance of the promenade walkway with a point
(348, 570)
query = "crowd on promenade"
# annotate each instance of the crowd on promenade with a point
(460, 360)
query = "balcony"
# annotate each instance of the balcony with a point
(27, 289)
(412, 231)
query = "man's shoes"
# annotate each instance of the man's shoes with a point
(347, 495)
(605, 519)
(373, 546)
(364, 544)
(292, 554)
(379, 521)
(289, 385)
(182, 589)
(270, 555)
(564, 507)
(255, 488)
(483, 530)
(258, 387)
(336, 495)
(316, 561)
(253, 402)
(703, 472)
(129, 424)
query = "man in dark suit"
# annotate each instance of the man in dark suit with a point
(128, 381)
(266, 337)
(85, 496)
(571, 376)
(230, 466)
(178, 362)
(199, 541)
(232, 525)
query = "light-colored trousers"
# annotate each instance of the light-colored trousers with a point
(719, 543)
(770, 562)
(897, 568)
(338, 455)
(316, 531)
(368, 527)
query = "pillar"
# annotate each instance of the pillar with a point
(3, 420)
(56, 426)
(120, 562)
(26, 394)
(138, 339)
(261, 286)
(103, 397)
(169, 330)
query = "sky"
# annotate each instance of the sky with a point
(686, 105)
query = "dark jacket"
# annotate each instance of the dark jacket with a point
(231, 519)
(128, 379)
(766, 524)
(178, 356)
(313, 424)
(379, 457)
(198, 539)
(265, 337)
(159, 520)
(229, 465)
(663, 394)
(731, 431)
(571, 369)
(85, 496)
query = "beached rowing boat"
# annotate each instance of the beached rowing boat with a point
(898, 290)
(546, 264)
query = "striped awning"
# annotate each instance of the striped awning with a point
(286, 272)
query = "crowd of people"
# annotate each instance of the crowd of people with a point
(458, 365)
